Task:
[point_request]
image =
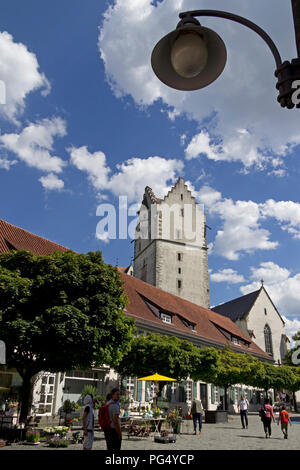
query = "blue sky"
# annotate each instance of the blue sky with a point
(86, 120)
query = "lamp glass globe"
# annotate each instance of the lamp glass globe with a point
(189, 54)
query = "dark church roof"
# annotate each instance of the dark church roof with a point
(237, 309)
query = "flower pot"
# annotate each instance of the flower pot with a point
(177, 428)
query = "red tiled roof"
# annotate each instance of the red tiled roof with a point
(16, 238)
(207, 323)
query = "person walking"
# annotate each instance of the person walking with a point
(88, 423)
(106, 431)
(285, 419)
(267, 415)
(243, 406)
(196, 411)
(115, 438)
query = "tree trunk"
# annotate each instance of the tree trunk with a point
(25, 397)
(295, 402)
(225, 407)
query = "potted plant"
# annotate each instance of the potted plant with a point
(2, 443)
(156, 412)
(57, 442)
(174, 419)
(33, 437)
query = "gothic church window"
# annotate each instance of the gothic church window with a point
(268, 339)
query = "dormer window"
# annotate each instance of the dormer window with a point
(234, 340)
(188, 324)
(166, 318)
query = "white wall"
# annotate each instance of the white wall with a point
(257, 321)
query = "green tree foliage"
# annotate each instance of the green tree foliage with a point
(235, 368)
(169, 356)
(166, 355)
(205, 364)
(277, 377)
(60, 312)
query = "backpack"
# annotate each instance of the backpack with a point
(263, 413)
(103, 417)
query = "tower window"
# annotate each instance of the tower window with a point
(179, 256)
(179, 270)
(179, 283)
(181, 196)
(268, 339)
(265, 311)
(182, 212)
(178, 234)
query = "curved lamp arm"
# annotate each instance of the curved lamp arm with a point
(241, 20)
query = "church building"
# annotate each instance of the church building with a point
(256, 315)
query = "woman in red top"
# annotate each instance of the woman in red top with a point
(267, 415)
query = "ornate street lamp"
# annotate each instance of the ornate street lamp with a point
(191, 57)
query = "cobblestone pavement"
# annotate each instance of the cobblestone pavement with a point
(225, 436)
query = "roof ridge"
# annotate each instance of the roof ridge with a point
(30, 233)
(237, 298)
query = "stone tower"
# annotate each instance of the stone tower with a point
(170, 250)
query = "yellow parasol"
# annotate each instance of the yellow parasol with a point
(157, 378)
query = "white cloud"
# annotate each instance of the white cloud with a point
(52, 182)
(20, 74)
(227, 275)
(282, 286)
(34, 144)
(200, 144)
(208, 196)
(130, 177)
(5, 163)
(242, 229)
(103, 237)
(240, 109)
(292, 326)
(94, 164)
(285, 212)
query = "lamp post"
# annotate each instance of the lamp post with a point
(192, 56)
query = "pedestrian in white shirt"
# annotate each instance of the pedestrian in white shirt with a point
(243, 406)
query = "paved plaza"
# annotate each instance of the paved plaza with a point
(228, 436)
